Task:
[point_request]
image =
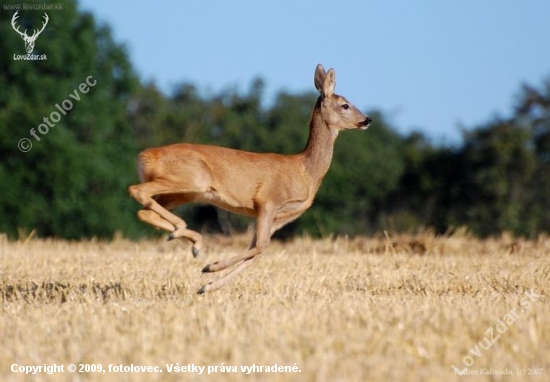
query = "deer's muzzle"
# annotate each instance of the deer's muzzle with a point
(365, 124)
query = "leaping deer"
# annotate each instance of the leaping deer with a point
(29, 40)
(273, 188)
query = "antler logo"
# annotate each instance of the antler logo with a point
(29, 40)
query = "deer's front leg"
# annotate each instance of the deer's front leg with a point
(259, 243)
(253, 250)
(214, 285)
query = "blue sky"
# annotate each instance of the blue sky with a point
(428, 65)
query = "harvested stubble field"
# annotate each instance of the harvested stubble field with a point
(399, 308)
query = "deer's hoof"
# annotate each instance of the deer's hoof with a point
(195, 251)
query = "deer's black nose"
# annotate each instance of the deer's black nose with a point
(367, 121)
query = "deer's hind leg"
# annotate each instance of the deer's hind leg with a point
(158, 200)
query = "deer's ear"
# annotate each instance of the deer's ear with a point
(329, 83)
(319, 78)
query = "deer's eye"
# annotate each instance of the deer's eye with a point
(345, 106)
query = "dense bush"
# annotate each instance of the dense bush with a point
(73, 182)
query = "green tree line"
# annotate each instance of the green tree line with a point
(73, 182)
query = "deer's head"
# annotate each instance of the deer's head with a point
(29, 40)
(337, 111)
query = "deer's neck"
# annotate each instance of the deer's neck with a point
(320, 146)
